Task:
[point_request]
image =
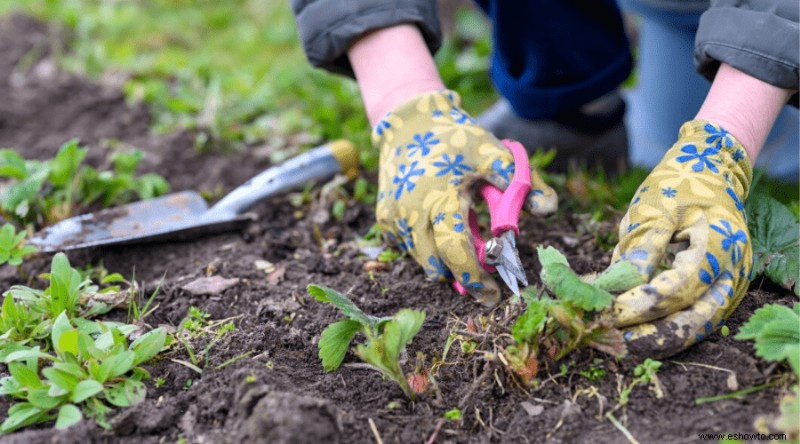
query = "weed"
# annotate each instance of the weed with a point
(43, 192)
(12, 246)
(647, 373)
(593, 373)
(453, 415)
(197, 326)
(62, 365)
(387, 337)
(159, 382)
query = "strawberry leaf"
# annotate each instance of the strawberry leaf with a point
(335, 341)
(775, 235)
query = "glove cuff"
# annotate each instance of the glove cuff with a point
(730, 151)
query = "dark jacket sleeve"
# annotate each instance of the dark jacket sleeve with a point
(327, 28)
(758, 37)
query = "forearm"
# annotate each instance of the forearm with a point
(744, 106)
(392, 65)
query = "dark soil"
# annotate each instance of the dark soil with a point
(279, 393)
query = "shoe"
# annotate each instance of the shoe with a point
(593, 136)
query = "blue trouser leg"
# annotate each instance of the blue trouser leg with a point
(552, 56)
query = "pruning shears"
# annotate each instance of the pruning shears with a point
(499, 253)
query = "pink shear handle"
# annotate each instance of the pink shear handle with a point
(504, 206)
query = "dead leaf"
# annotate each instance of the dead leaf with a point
(530, 409)
(276, 277)
(209, 285)
(265, 266)
(732, 382)
(115, 299)
(376, 266)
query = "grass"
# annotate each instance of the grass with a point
(234, 72)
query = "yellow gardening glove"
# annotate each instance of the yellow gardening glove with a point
(432, 152)
(694, 195)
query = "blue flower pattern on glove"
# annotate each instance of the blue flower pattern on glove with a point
(404, 178)
(731, 240)
(703, 159)
(404, 230)
(422, 144)
(718, 138)
(456, 165)
(503, 171)
(438, 269)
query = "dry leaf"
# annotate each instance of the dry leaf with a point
(530, 409)
(209, 285)
(276, 277)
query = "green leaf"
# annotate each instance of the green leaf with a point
(41, 398)
(383, 352)
(68, 342)
(567, 285)
(619, 277)
(778, 339)
(61, 379)
(763, 316)
(775, 234)
(22, 414)
(346, 306)
(26, 354)
(64, 166)
(531, 322)
(68, 415)
(85, 389)
(25, 376)
(126, 393)
(60, 326)
(400, 331)
(12, 165)
(117, 364)
(335, 341)
(147, 346)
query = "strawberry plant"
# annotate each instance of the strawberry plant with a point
(386, 337)
(775, 235)
(572, 318)
(43, 192)
(776, 332)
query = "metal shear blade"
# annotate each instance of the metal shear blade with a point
(501, 252)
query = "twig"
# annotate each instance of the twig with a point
(697, 364)
(435, 434)
(375, 431)
(742, 392)
(621, 428)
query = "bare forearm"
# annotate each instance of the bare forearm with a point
(744, 106)
(392, 65)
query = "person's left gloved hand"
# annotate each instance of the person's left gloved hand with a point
(695, 195)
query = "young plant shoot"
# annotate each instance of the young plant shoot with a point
(386, 338)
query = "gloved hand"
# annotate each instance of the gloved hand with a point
(696, 195)
(431, 153)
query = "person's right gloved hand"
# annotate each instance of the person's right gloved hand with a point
(432, 152)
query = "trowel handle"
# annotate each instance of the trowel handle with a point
(317, 165)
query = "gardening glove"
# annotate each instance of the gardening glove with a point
(694, 195)
(432, 152)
